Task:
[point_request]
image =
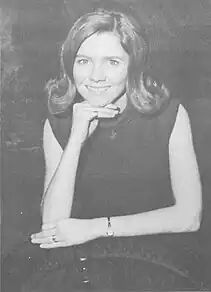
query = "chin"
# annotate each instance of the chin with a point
(101, 100)
(98, 103)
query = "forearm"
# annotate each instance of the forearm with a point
(166, 220)
(57, 201)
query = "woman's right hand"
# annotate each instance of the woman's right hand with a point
(86, 118)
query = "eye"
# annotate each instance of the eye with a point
(114, 62)
(82, 61)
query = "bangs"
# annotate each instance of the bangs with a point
(124, 27)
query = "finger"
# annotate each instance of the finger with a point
(40, 235)
(112, 106)
(48, 226)
(104, 113)
(55, 244)
(107, 115)
(37, 235)
(103, 109)
(42, 240)
(45, 233)
(110, 115)
(86, 103)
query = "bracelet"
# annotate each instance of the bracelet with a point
(109, 232)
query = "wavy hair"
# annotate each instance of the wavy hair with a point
(144, 93)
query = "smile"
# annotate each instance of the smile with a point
(98, 89)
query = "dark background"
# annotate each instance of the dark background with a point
(179, 32)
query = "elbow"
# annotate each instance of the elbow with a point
(193, 226)
(191, 222)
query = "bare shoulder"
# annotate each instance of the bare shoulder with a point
(182, 125)
(182, 115)
(48, 135)
(47, 130)
(52, 149)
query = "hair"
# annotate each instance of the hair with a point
(144, 93)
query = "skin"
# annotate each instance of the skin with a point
(101, 62)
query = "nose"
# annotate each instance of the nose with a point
(97, 74)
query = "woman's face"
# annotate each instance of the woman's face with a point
(100, 69)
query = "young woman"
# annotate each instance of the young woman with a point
(119, 154)
(120, 165)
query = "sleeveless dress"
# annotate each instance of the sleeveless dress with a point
(124, 166)
(123, 169)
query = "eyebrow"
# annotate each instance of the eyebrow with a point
(106, 57)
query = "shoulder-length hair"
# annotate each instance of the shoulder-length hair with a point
(108, 17)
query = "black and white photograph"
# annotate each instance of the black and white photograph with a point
(105, 145)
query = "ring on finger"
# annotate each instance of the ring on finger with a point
(54, 238)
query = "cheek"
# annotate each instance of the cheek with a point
(80, 75)
(119, 76)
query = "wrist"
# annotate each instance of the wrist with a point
(99, 227)
(102, 227)
(75, 141)
(78, 135)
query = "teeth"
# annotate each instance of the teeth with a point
(97, 90)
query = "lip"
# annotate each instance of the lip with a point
(97, 89)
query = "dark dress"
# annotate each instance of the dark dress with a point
(123, 169)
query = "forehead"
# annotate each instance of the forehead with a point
(103, 44)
